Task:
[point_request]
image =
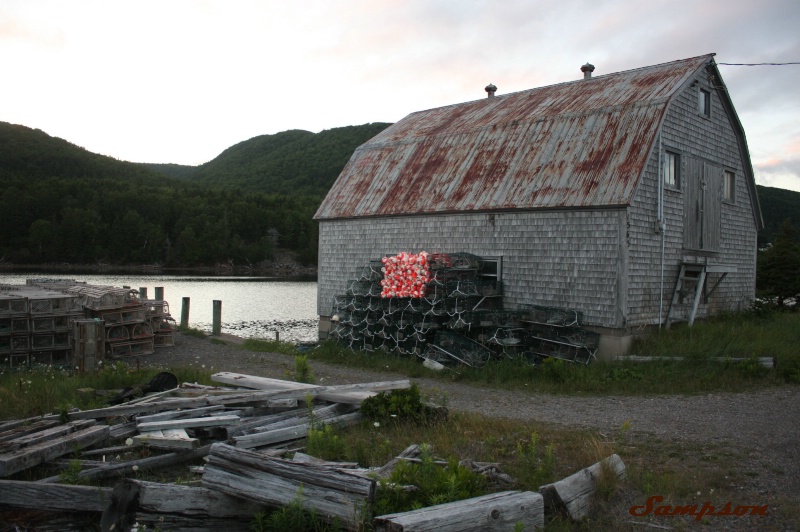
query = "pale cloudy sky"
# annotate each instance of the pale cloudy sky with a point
(181, 80)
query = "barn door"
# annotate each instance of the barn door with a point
(702, 200)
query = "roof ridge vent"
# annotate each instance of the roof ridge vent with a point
(490, 89)
(587, 70)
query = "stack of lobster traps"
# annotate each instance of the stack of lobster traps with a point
(64, 322)
(35, 326)
(458, 318)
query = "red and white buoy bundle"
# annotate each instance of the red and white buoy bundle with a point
(405, 275)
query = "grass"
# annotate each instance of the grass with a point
(529, 453)
(752, 334)
(46, 389)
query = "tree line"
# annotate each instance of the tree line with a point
(108, 220)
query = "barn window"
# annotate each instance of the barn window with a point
(729, 187)
(672, 178)
(492, 272)
(704, 103)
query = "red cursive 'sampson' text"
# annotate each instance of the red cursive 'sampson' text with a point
(655, 507)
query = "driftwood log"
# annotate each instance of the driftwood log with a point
(175, 507)
(497, 511)
(575, 493)
(333, 495)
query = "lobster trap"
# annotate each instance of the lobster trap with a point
(449, 347)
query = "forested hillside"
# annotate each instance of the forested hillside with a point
(291, 162)
(61, 203)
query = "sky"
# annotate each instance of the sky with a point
(179, 81)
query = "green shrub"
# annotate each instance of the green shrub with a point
(435, 484)
(396, 405)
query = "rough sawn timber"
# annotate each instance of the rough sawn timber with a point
(497, 511)
(53, 497)
(348, 394)
(575, 493)
(175, 507)
(276, 482)
(25, 457)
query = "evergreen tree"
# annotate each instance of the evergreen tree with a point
(779, 267)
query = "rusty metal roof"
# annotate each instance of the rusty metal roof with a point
(572, 145)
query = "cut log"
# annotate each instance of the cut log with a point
(154, 505)
(36, 454)
(497, 511)
(275, 482)
(53, 497)
(575, 493)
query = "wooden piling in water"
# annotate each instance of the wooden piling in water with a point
(185, 313)
(159, 293)
(142, 292)
(216, 326)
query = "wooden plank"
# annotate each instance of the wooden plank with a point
(16, 430)
(767, 362)
(32, 455)
(181, 414)
(153, 504)
(350, 394)
(576, 492)
(167, 439)
(54, 497)
(123, 469)
(294, 432)
(495, 512)
(275, 482)
(129, 409)
(412, 451)
(210, 421)
(44, 435)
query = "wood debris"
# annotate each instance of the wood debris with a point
(243, 433)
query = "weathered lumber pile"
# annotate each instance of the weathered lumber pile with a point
(230, 425)
(240, 434)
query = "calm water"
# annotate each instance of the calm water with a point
(252, 307)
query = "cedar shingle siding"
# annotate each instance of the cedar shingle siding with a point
(582, 234)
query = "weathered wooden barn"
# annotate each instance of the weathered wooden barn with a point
(629, 196)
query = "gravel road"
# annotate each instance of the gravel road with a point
(762, 428)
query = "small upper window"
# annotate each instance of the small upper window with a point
(672, 178)
(704, 102)
(729, 187)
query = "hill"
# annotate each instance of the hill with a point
(62, 203)
(289, 162)
(777, 205)
(36, 155)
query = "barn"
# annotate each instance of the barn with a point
(629, 196)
